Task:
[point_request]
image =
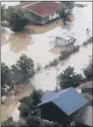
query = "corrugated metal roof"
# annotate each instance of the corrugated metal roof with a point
(86, 85)
(68, 100)
(48, 94)
(44, 8)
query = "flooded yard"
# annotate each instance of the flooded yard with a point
(45, 28)
(38, 48)
(10, 107)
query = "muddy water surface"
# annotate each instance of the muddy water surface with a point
(37, 47)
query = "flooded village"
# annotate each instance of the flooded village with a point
(47, 40)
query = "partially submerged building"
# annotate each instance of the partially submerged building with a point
(87, 89)
(61, 37)
(43, 11)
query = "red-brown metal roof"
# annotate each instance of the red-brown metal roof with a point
(23, 4)
(86, 85)
(43, 8)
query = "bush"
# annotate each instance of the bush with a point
(67, 53)
(68, 78)
(6, 79)
(88, 71)
(75, 49)
(80, 5)
(88, 41)
(28, 104)
(46, 66)
(64, 55)
(26, 66)
(36, 96)
(24, 110)
(38, 68)
(32, 121)
(54, 62)
(18, 18)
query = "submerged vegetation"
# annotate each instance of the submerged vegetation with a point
(88, 71)
(68, 78)
(63, 56)
(66, 13)
(67, 53)
(88, 41)
(22, 70)
(28, 104)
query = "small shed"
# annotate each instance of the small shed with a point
(62, 107)
(64, 41)
(62, 37)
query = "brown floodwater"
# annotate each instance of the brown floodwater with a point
(10, 107)
(13, 45)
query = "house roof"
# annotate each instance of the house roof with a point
(48, 94)
(68, 101)
(24, 4)
(86, 85)
(43, 8)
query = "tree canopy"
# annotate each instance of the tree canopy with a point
(88, 71)
(68, 78)
(66, 11)
(28, 104)
(5, 75)
(17, 18)
(22, 70)
(26, 65)
(3, 11)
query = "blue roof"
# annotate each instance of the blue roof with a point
(48, 94)
(68, 100)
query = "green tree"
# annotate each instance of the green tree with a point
(26, 66)
(36, 96)
(17, 76)
(68, 4)
(18, 18)
(33, 121)
(25, 110)
(2, 12)
(28, 104)
(5, 75)
(69, 78)
(88, 71)
(66, 11)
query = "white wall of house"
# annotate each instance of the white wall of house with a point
(3, 99)
(60, 41)
(53, 16)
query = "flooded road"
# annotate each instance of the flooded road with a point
(37, 47)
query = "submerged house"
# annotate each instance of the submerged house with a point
(64, 41)
(87, 89)
(61, 37)
(43, 11)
